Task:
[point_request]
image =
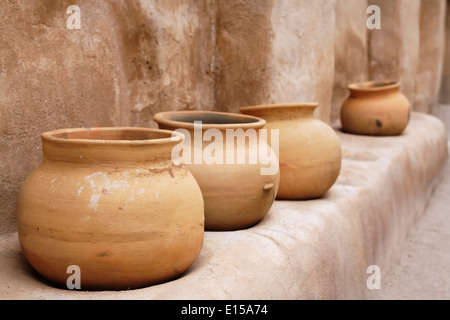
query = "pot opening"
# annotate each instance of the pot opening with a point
(111, 134)
(210, 118)
(383, 84)
(375, 85)
(109, 144)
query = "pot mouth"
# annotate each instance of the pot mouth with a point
(374, 85)
(291, 105)
(209, 119)
(112, 136)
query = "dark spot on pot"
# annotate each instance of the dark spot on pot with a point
(102, 254)
(120, 208)
(378, 122)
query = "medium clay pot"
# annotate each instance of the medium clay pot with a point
(309, 149)
(111, 202)
(236, 194)
(375, 108)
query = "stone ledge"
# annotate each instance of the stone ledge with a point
(316, 249)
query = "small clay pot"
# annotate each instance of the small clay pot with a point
(309, 149)
(111, 202)
(236, 195)
(375, 108)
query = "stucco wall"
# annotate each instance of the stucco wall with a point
(131, 59)
(445, 85)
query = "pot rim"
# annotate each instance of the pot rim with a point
(374, 85)
(289, 105)
(51, 136)
(247, 122)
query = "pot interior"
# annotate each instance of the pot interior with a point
(209, 118)
(105, 134)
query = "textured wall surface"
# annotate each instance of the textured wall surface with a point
(351, 51)
(129, 60)
(394, 49)
(431, 55)
(132, 59)
(303, 63)
(445, 85)
(243, 43)
(409, 48)
(50, 78)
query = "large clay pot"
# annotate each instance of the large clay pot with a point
(111, 202)
(375, 108)
(237, 195)
(309, 149)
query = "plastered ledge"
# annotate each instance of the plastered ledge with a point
(316, 249)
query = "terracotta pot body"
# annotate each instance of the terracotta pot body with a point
(237, 194)
(111, 202)
(375, 108)
(309, 149)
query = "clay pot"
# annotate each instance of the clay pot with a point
(309, 149)
(111, 202)
(375, 108)
(237, 194)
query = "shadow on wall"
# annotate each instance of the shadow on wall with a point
(445, 86)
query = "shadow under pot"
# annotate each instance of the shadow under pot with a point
(309, 151)
(238, 173)
(111, 202)
(376, 108)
